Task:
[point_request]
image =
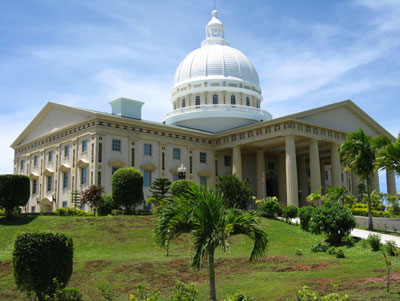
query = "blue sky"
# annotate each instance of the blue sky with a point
(86, 53)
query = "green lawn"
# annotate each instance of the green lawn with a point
(117, 253)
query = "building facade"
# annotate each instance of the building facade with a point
(216, 127)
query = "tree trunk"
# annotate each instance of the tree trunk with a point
(370, 222)
(388, 281)
(213, 294)
(167, 247)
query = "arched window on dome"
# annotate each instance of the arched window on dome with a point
(233, 100)
(197, 101)
(215, 99)
(183, 103)
(247, 102)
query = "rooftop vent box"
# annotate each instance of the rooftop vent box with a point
(125, 107)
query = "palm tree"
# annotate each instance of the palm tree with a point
(358, 153)
(207, 218)
(388, 157)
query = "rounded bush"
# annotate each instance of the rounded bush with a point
(14, 192)
(305, 216)
(374, 241)
(289, 212)
(38, 258)
(237, 193)
(270, 208)
(127, 187)
(181, 188)
(340, 253)
(107, 205)
(391, 248)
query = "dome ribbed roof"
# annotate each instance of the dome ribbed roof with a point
(216, 59)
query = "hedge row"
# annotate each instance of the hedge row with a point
(375, 213)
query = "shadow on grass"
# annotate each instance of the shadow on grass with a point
(17, 220)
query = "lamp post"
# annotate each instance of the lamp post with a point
(182, 172)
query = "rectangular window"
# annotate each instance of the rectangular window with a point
(116, 145)
(35, 160)
(216, 168)
(271, 165)
(100, 152)
(133, 157)
(227, 160)
(175, 177)
(176, 153)
(147, 178)
(65, 179)
(162, 161)
(22, 165)
(33, 209)
(50, 156)
(83, 175)
(34, 186)
(84, 146)
(203, 181)
(66, 151)
(64, 204)
(147, 149)
(191, 164)
(92, 153)
(99, 178)
(326, 175)
(114, 169)
(203, 157)
(49, 182)
(342, 178)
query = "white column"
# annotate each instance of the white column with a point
(335, 164)
(282, 179)
(260, 173)
(291, 172)
(375, 182)
(237, 162)
(315, 169)
(391, 182)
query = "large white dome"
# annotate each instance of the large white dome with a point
(216, 61)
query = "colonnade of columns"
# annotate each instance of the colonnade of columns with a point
(288, 175)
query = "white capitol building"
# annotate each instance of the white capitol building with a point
(216, 127)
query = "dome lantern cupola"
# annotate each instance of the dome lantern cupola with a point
(216, 87)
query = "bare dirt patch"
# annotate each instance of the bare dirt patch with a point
(5, 267)
(303, 267)
(96, 265)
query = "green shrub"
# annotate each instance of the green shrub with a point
(269, 207)
(184, 292)
(2, 211)
(66, 294)
(375, 213)
(305, 217)
(237, 193)
(181, 188)
(289, 212)
(320, 246)
(145, 293)
(332, 251)
(106, 205)
(116, 212)
(391, 247)
(333, 219)
(340, 253)
(299, 252)
(38, 258)
(14, 192)
(306, 294)
(349, 241)
(127, 188)
(239, 296)
(72, 211)
(374, 241)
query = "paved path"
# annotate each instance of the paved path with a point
(384, 237)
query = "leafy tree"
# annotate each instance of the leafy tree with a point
(207, 218)
(237, 194)
(315, 198)
(181, 188)
(38, 258)
(393, 200)
(358, 153)
(289, 212)
(76, 198)
(127, 187)
(361, 191)
(389, 266)
(92, 197)
(333, 219)
(160, 189)
(107, 205)
(14, 192)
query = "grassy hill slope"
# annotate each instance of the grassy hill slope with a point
(117, 253)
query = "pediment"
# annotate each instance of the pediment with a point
(82, 163)
(343, 116)
(51, 118)
(148, 166)
(116, 163)
(33, 175)
(65, 168)
(48, 172)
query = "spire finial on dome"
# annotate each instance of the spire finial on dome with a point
(215, 31)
